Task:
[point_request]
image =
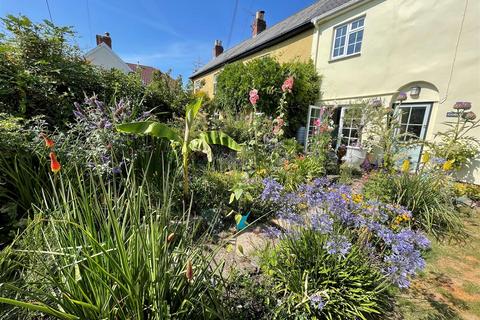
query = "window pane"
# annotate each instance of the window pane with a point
(405, 114)
(412, 129)
(353, 142)
(345, 133)
(354, 133)
(417, 115)
(339, 43)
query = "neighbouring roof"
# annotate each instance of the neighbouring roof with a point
(146, 71)
(287, 28)
(102, 55)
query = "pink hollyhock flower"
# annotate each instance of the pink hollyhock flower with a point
(288, 84)
(254, 97)
(317, 123)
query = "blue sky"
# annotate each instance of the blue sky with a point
(165, 34)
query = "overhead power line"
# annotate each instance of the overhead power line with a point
(49, 13)
(235, 9)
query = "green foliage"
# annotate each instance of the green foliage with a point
(429, 195)
(41, 73)
(23, 174)
(188, 143)
(348, 173)
(267, 76)
(301, 268)
(457, 142)
(104, 251)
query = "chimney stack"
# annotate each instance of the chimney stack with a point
(217, 49)
(104, 39)
(259, 24)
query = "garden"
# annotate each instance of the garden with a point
(120, 200)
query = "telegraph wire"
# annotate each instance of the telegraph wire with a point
(49, 13)
(235, 9)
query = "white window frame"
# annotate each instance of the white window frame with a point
(197, 85)
(341, 127)
(312, 110)
(349, 32)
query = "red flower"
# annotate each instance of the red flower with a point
(288, 84)
(54, 164)
(49, 143)
(254, 97)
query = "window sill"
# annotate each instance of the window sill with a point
(354, 148)
(344, 57)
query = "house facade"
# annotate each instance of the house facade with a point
(104, 57)
(377, 49)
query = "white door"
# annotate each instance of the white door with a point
(413, 120)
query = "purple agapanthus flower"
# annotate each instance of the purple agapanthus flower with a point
(338, 245)
(316, 301)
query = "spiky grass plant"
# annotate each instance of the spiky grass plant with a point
(105, 250)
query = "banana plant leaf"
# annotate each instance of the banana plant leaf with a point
(220, 138)
(152, 128)
(201, 145)
(192, 110)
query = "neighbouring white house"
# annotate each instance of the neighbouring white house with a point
(103, 56)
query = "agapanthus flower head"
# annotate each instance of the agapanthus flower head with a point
(338, 245)
(469, 115)
(55, 166)
(287, 85)
(253, 96)
(462, 105)
(376, 103)
(317, 302)
(402, 96)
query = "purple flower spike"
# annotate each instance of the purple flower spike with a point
(402, 96)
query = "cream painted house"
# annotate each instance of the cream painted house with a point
(365, 49)
(428, 49)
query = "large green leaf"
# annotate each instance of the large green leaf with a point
(221, 138)
(39, 307)
(192, 110)
(155, 129)
(201, 145)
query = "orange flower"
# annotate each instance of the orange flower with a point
(54, 164)
(170, 237)
(189, 271)
(48, 142)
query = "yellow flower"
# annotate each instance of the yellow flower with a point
(460, 189)
(425, 157)
(448, 165)
(357, 198)
(406, 166)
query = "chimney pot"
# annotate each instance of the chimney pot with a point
(104, 39)
(259, 24)
(218, 48)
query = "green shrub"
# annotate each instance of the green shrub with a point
(267, 76)
(429, 195)
(111, 251)
(42, 73)
(311, 283)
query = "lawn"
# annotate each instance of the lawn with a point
(449, 288)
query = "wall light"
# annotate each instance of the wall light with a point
(414, 92)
